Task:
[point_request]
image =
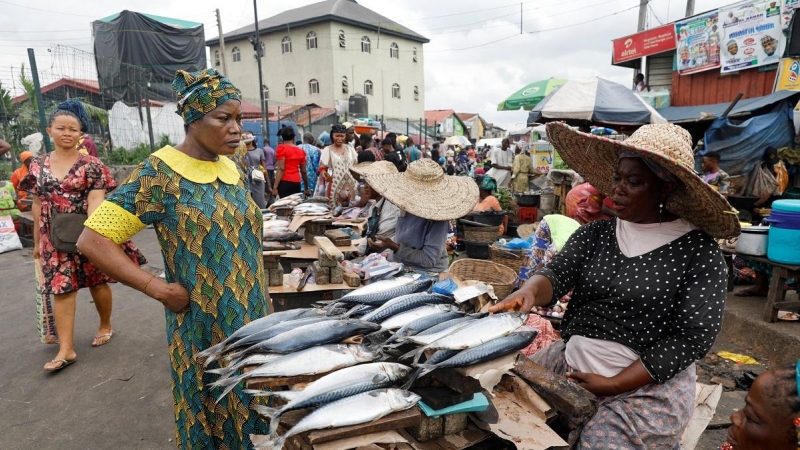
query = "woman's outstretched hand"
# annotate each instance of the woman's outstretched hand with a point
(521, 301)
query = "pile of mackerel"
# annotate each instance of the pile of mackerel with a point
(354, 341)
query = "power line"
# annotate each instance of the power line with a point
(582, 23)
(45, 10)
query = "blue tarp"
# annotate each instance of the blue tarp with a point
(678, 114)
(741, 146)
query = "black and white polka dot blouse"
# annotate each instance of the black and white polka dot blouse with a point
(666, 305)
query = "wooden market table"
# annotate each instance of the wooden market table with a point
(776, 298)
(307, 254)
(26, 228)
(284, 297)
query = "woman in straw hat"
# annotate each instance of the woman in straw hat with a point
(428, 199)
(210, 232)
(649, 286)
(383, 217)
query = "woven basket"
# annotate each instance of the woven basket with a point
(501, 278)
(513, 259)
(484, 235)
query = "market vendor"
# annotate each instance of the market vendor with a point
(713, 175)
(18, 175)
(649, 286)
(502, 160)
(383, 217)
(488, 202)
(428, 200)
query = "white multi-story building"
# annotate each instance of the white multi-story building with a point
(325, 52)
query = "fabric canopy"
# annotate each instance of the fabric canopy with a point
(682, 114)
(596, 100)
(530, 95)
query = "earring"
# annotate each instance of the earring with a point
(660, 211)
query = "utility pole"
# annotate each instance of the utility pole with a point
(222, 45)
(259, 56)
(520, 18)
(689, 8)
(643, 15)
(38, 90)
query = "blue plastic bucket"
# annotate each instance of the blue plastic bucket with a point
(784, 232)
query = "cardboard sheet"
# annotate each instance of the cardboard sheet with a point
(298, 221)
(489, 373)
(519, 421)
(311, 252)
(285, 289)
(705, 405)
(384, 437)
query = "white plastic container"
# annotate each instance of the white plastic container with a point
(753, 241)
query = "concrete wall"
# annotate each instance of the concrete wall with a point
(328, 63)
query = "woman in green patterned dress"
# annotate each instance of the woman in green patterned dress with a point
(209, 230)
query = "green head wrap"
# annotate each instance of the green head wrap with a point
(488, 184)
(201, 92)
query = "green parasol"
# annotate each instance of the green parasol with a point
(530, 95)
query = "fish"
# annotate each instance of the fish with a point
(252, 327)
(404, 303)
(252, 360)
(473, 333)
(281, 236)
(423, 323)
(445, 325)
(357, 409)
(311, 361)
(404, 318)
(248, 342)
(318, 199)
(335, 386)
(319, 333)
(380, 292)
(474, 355)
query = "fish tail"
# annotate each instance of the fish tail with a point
(416, 354)
(234, 357)
(211, 358)
(211, 350)
(228, 383)
(421, 371)
(258, 393)
(274, 416)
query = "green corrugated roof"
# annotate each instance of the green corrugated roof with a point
(177, 23)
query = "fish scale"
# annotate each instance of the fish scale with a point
(404, 318)
(423, 324)
(380, 292)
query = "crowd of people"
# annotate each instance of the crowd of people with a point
(646, 277)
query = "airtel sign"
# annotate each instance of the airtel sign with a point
(646, 43)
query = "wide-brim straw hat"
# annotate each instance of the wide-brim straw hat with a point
(526, 230)
(425, 191)
(374, 168)
(670, 146)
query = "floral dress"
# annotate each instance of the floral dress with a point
(340, 165)
(209, 229)
(68, 272)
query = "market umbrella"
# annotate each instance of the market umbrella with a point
(457, 140)
(530, 95)
(595, 100)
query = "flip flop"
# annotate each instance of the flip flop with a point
(101, 336)
(61, 364)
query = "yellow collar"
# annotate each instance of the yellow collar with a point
(198, 171)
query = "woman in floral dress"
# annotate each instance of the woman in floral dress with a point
(335, 163)
(66, 181)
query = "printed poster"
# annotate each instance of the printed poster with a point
(788, 75)
(697, 42)
(750, 35)
(542, 157)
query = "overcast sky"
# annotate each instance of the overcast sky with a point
(475, 59)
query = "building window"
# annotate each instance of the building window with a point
(414, 54)
(237, 55)
(311, 40)
(366, 45)
(416, 93)
(368, 87)
(313, 86)
(345, 86)
(286, 45)
(290, 91)
(395, 90)
(216, 57)
(342, 40)
(266, 91)
(394, 51)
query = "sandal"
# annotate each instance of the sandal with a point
(98, 340)
(750, 293)
(61, 364)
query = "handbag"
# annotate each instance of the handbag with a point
(257, 175)
(65, 228)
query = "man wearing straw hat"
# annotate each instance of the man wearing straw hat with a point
(649, 286)
(428, 200)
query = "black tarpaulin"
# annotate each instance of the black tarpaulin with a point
(133, 49)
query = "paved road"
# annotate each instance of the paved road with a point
(114, 396)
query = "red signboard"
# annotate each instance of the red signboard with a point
(646, 43)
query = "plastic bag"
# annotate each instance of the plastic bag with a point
(517, 244)
(9, 240)
(295, 277)
(762, 181)
(445, 287)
